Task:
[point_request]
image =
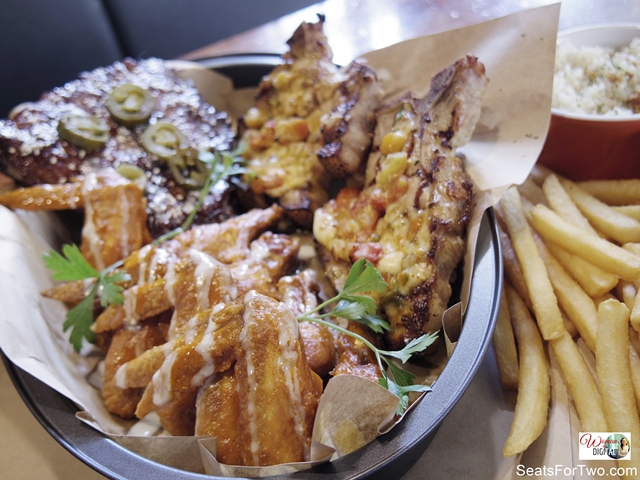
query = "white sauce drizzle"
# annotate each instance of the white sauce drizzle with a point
(121, 376)
(191, 329)
(126, 210)
(159, 255)
(142, 258)
(130, 303)
(146, 427)
(204, 349)
(89, 232)
(74, 196)
(162, 381)
(288, 359)
(87, 285)
(259, 251)
(170, 282)
(251, 376)
(205, 268)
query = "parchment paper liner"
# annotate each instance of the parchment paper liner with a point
(518, 52)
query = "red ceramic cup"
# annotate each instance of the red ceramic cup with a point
(584, 147)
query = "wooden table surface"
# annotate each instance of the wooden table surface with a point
(353, 27)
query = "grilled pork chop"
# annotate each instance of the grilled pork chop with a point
(33, 152)
(410, 219)
(311, 121)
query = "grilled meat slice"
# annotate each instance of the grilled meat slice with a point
(308, 114)
(346, 131)
(410, 219)
(33, 153)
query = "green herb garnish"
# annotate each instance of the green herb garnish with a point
(354, 304)
(71, 265)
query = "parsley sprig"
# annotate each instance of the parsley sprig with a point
(71, 265)
(354, 304)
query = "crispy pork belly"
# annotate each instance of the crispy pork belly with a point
(410, 219)
(308, 113)
(33, 152)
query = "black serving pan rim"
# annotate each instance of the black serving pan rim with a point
(389, 456)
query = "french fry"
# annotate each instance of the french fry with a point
(614, 192)
(605, 219)
(593, 280)
(626, 293)
(634, 340)
(569, 326)
(512, 269)
(598, 251)
(632, 247)
(614, 372)
(634, 362)
(534, 389)
(574, 301)
(580, 383)
(561, 203)
(539, 173)
(532, 192)
(632, 211)
(505, 348)
(634, 318)
(543, 300)
(606, 296)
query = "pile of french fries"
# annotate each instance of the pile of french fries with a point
(572, 271)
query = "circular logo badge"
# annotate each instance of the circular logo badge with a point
(617, 446)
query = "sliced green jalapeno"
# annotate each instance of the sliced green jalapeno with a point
(130, 104)
(84, 132)
(163, 139)
(134, 174)
(188, 169)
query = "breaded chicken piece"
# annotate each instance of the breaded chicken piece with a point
(300, 293)
(257, 337)
(227, 242)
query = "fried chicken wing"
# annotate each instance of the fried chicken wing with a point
(271, 256)
(66, 196)
(300, 294)
(354, 357)
(127, 344)
(257, 338)
(226, 242)
(410, 219)
(218, 414)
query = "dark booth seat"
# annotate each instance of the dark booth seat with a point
(46, 43)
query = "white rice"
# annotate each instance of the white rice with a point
(597, 80)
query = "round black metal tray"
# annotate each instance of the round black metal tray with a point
(389, 456)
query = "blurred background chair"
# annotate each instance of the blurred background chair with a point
(46, 43)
